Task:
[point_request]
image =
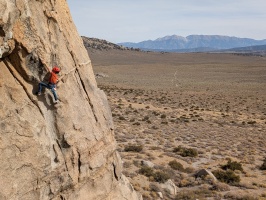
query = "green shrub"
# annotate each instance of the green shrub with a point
(263, 166)
(160, 176)
(176, 165)
(146, 171)
(226, 176)
(232, 166)
(185, 152)
(134, 148)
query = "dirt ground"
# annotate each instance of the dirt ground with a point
(211, 104)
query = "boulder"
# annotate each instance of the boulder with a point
(147, 163)
(170, 187)
(101, 75)
(156, 187)
(160, 195)
(204, 173)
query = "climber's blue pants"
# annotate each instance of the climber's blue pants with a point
(49, 86)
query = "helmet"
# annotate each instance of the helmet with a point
(56, 69)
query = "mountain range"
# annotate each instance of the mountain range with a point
(194, 43)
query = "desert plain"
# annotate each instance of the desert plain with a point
(178, 113)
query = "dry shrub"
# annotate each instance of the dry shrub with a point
(136, 163)
(146, 171)
(263, 166)
(187, 182)
(226, 176)
(146, 195)
(195, 194)
(176, 165)
(221, 187)
(158, 175)
(185, 152)
(121, 118)
(145, 118)
(134, 148)
(127, 164)
(189, 170)
(137, 187)
(155, 148)
(163, 116)
(154, 195)
(240, 196)
(232, 166)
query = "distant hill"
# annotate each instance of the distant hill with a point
(99, 44)
(93, 44)
(175, 43)
(258, 48)
(200, 49)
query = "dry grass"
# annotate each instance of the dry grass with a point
(214, 103)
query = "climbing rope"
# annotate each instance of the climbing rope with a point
(74, 69)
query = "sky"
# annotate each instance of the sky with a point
(138, 20)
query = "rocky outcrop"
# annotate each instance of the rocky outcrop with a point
(48, 151)
(98, 44)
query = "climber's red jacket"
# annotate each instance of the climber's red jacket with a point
(53, 78)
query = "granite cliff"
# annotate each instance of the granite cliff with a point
(49, 151)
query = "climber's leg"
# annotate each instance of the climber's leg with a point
(41, 85)
(54, 92)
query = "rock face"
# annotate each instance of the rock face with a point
(48, 151)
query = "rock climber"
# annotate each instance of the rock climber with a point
(52, 82)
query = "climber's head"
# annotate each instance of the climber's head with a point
(56, 69)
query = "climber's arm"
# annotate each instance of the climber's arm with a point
(47, 68)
